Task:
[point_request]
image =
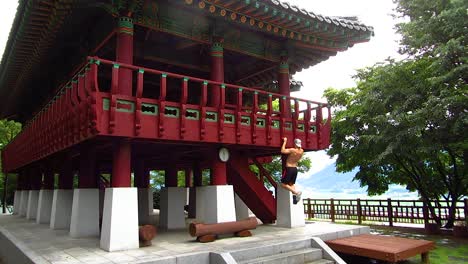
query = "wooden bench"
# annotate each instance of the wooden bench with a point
(386, 248)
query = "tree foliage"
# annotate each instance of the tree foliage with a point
(405, 122)
(275, 168)
(8, 130)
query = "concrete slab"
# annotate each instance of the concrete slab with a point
(24, 203)
(62, 203)
(56, 246)
(288, 214)
(119, 230)
(33, 199)
(17, 202)
(215, 204)
(44, 207)
(85, 213)
(173, 200)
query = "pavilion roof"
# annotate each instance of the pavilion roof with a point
(36, 30)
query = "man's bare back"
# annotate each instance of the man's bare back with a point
(294, 154)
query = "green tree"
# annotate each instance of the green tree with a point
(275, 168)
(405, 121)
(8, 130)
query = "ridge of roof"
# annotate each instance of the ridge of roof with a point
(342, 21)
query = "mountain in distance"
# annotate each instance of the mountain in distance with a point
(328, 183)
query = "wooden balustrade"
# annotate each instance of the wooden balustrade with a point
(176, 107)
(391, 211)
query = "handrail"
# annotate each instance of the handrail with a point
(179, 76)
(265, 173)
(413, 211)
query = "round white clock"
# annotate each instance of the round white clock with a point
(223, 154)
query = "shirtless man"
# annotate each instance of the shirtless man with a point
(290, 174)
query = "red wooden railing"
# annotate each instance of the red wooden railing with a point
(88, 106)
(391, 211)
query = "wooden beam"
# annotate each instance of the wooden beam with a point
(203, 68)
(186, 44)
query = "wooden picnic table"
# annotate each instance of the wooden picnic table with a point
(388, 248)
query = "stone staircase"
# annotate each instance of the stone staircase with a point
(300, 251)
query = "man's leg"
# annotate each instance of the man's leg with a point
(288, 187)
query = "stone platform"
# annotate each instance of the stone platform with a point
(24, 241)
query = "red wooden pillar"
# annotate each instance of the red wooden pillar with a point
(284, 89)
(188, 178)
(48, 178)
(20, 181)
(218, 172)
(121, 167)
(66, 174)
(35, 180)
(87, 172)
(125, 54)
(217, 71)
(197, 175)
(141, 175)
(170, 177)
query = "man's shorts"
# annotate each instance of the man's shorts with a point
(289, 175)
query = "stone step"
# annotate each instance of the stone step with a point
(299, 256)
(267, 249)
(321, 261)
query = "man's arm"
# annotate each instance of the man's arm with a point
(284, 150)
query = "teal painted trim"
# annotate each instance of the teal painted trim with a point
(164, 75)
(275, 124)
(205, 82)
(223, 86)
(245, 120)
(97, 62)
(284, 97)
(141, 71)
(186, 79)
(170, 108)
(313, 129)
(116, 66)
(147, 107)
(124, 110)
(241, 89)
(192, 111)
(270, 95)
(209, 119)
(105, 104)
(229, 116)
(261, 122)
(255, 92)
(300, 127)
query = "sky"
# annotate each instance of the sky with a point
(335, 72)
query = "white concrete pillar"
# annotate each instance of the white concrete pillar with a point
(288, 214)
(33, 199)
(145, 205)
(120, 219)
(44, 207)
(84, 220)
(172, 202)
(17, 202)
(215, 204)
(61, 209)
(24, 203)
(242, 211)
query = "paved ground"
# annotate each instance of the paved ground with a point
(56, 246)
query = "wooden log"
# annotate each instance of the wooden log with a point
(198, 229)
(146, 233)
